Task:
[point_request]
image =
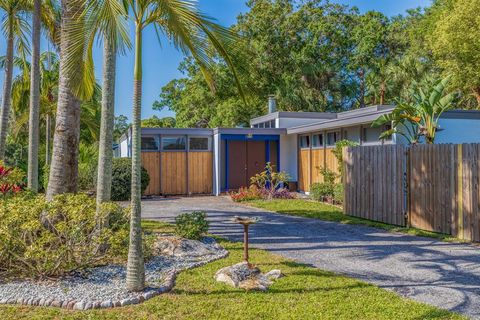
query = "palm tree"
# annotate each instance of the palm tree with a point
(108, 18)
(76, 81)
(193, 33)
(15, 27)
(33, 131)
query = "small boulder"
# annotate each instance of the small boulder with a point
(244, 276)
(168, 245)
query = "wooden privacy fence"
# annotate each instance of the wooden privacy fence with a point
(374, 182)
(430, 187)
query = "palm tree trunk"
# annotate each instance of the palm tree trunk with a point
(7, 90)
(104, 178)
(33, 127)
(64, 166)
(382, 92)
(135, 264)
(47, 139)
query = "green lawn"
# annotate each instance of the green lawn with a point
(305, 293)
(322, 211)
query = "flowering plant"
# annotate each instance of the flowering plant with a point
(11, 181)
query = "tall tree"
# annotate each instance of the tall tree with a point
(76, 80)
(453, 39)
(33, 131)
(108, 18)
(193, 33)
(15, 29)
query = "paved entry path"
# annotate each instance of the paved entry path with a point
(439, 273)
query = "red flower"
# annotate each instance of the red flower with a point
(16, 188)
(4, 188)
(4, 171)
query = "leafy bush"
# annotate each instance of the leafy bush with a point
(256, 193)
(191, 225)
(40, 238)
(269, 183)
(320, 191)
(325, 190)
(12, 181)
(87, 167)
(338, 193)
(122, 179)
(247, 194)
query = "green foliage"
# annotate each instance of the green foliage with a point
(327, 189)
(453, 40)
(338, 151)
(338, 193)
(191, 225)
(120, 125)
(122, 179)
(321, 191)
(87, 167)
(40, 238)
(419, 119)
(155, 122)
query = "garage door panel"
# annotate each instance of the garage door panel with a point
(151, 163)
(174, 173)
(200, 172)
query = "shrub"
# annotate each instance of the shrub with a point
(191, 225)
(44, 239)
(326, 189)
(269, 180)
(338, 193)
(283, 193)
(247, 194)
(87, 167)
(12, 181)
(122, 179)
(320, 191)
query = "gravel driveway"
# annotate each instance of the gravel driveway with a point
(439, 273)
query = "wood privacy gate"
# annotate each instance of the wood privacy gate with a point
(179, 172)
(430, 187)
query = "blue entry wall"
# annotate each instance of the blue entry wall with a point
(268, 139)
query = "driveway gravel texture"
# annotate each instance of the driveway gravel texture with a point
(446, 275)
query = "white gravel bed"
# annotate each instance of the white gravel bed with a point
(104, 287)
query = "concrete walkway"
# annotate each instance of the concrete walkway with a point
(439, 273)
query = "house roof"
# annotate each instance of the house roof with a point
(345, 119)
(293, 115)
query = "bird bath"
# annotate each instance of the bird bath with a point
(245, 222)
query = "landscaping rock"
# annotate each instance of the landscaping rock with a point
(104, 287)
(244, 276)
(175, 246)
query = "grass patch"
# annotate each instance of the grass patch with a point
(305, 293)
(323, 211)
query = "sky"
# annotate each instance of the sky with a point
(161, 61)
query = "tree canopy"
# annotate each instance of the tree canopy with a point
(320, 56)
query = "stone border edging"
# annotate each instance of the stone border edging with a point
(106, 304)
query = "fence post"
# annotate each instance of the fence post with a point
(408, 190)
(460, 192)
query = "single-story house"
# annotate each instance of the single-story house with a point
(214, 161)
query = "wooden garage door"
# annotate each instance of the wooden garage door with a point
(151, 163)
(200, 172)
(174, 173)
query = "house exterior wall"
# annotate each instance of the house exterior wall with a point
(458, 131)
(288, 155)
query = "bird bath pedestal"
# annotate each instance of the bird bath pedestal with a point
(245, 222)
